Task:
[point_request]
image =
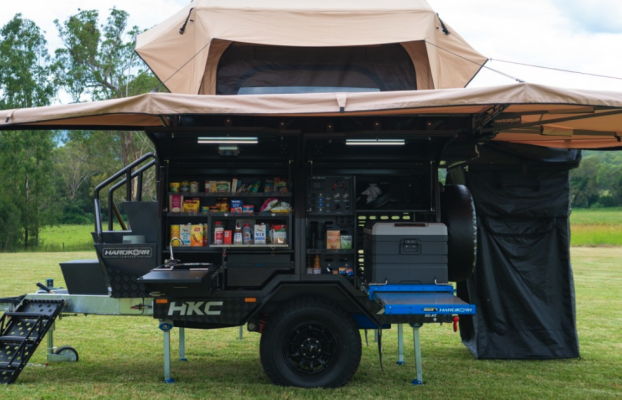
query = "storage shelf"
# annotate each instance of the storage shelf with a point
(267, 215)
(249, 246)
(187, 249)
(329, 214)
(249, 215)
(392, 211)
(224, 194)
(331, 251)
(188, 215)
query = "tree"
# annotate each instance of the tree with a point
(584, 187)
(25, 157)
(99, 61)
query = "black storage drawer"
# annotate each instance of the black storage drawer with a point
(259, 260)
(85, 277)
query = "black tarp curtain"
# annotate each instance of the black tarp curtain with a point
(523, 285)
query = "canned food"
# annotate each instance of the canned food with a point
(205, 209)
(174, 187)
(194, 187)
(185, 186)
(175, 234)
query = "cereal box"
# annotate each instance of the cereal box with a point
(333, 240)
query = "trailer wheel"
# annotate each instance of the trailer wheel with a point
(310, 343)
(69, 352)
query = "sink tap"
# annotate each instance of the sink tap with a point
(170, 245)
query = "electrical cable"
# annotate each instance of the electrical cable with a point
(523, 64)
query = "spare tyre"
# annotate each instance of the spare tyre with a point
(458, 213)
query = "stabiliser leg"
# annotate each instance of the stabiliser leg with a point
(166, 327)
(417, 345)
(400, 344)
(182, 344)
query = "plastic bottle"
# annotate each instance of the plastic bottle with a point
(237, 234)
(247, 234)
(219, 233)
(317, 267)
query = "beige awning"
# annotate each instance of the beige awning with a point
(527, 113)
(186, 63)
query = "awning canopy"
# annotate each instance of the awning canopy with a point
(518, 113)
(184, 50)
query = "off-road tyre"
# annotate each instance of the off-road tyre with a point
(458, 213)
(310, 342)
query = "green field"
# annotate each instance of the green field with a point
(596, 227)
(66, 238)
(121, 357)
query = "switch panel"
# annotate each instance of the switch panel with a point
(330, 195)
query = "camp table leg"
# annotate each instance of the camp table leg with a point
(419, 380)
(182, 344)
(166, 326)
(241, 332)
(400, 344)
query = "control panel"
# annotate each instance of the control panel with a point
(330, 195)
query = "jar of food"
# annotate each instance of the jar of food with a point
(219, 233)
(224, 204)
(194, 187)
(185, 186)
(174, 187)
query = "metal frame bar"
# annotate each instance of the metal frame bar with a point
(98, 221)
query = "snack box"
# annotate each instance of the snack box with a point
(236, 206)
(248, 209)
(333, 239)
(196, 238)
(260, 234)
(228, 237)
(191, 206)
(176, 202)
(346, 242)
(185, 232)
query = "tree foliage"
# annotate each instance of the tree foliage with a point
(25, 157)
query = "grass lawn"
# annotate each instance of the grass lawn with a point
(596, 227)
(121, 357)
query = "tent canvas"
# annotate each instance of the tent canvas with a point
(518, 113)
(184, 50)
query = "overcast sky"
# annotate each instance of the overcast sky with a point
(579, 35)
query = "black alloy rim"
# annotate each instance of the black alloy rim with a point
(310, 349)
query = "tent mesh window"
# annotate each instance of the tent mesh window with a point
(256, 69)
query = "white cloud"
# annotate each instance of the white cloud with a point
(535, 32)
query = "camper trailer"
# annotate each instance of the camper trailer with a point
(298, 190)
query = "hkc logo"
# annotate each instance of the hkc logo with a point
(194, 308)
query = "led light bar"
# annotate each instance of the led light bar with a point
(227, 140)
(375, 142)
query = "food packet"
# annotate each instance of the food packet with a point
(268, 204)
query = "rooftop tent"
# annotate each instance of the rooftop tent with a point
(190, 51)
